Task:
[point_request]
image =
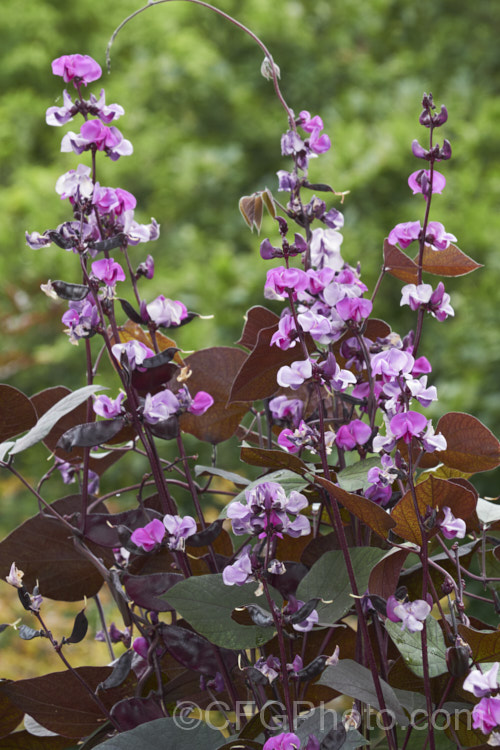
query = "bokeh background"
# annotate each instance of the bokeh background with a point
(206, 129)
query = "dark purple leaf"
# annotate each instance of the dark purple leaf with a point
(287, 583)
(102, 528)
(145, 591)
(16, 412)
(90, 434)
(334, 739)
(193, 651)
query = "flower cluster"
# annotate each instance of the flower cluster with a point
(486, 713)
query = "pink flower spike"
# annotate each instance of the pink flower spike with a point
(77, 68)
(450, 526)
(149, 536)
(108, 270)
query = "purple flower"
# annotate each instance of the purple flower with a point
(136, 352)
(294, 375)
(35, 240)
(482, 683)
(287, 408)
(113, 201)
(76, 68)
(291, 143)
(57, 116)
(412, 614)
(266, 512)
(419, 182)
(75, 184)
(486, 714)
(269, 667)
(353, 434)
(94, 133)
(141, 646)
(407, 425)
(287, 180)
(167, 312)
(106, 407)
(354, 308)
(286, 741)
(325, 249)
(436, 302)
(108, 270)
(405, 233)
(159, 407)
(106, 113)
(285, 337)
(437, 237)
(240, 571)
(391, 363)
(15, 577)
(452, 527)
(200, 403)
(281, 280)
(147, 268)
(148, 536)
(179, 529)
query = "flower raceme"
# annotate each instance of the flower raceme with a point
(178, 530)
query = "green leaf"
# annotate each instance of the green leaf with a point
(351, 678)
(409, 646)
(328, 579)
(287, 479)
(206, 603)
(354, 477)
(53, 415)
(210, 471)
(163, 733)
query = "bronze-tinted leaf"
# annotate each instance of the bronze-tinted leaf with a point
(399, 265)
(145, 591)
(256, 319)
(23, 740)
(435, 493)
(10, 716)
(213, 370)
(251, 208)
(273, 459)
(470, 446)
(449, 262)
(43, 548)
(367, 511)
(16, 412)
(256, 378)
(485, 645)
(385, 575)
(60, 703)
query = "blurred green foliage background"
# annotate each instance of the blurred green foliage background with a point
(206, 129)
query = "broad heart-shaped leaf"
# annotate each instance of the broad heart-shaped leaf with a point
(485, 644)
(256, 319)
(351, 678)
(273, 459)
(206, 603)
(45, 400)
(367, 511)
(385, 574)
(213, 370)
(354, 477)
(251, 208)
(59, 702)
(328, 579)
(470, 446)
(436, 493)
(16, 412)
(10, 716)
(449, 262)
(168, 733)
(53, 415)
(399, 265)
(256, 378)
(43, 548)
(487, 512)
(213, 471)
(409, 646)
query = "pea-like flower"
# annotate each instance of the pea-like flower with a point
(77, 68)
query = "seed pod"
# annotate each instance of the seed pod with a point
(73, 292)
